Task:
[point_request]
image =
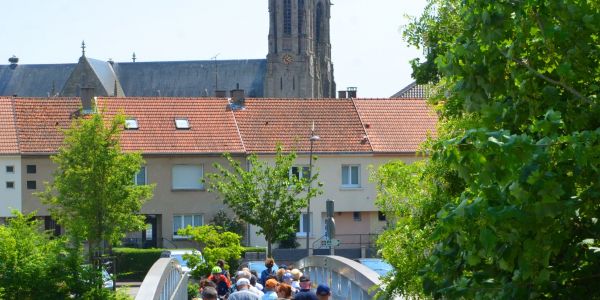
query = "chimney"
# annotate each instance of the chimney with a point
(87, 96)
(342, 95)
(221, 94)
(352, 92)
(14, 61)
(238, 98)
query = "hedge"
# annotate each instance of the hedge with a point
(133, 263)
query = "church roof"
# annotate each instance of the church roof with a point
(105, 74)
(191, 78)
(33, 80)
(413, 91)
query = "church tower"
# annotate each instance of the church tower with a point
(299, 59)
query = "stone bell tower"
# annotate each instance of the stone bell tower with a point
(299, 59)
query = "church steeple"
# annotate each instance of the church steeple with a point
(299, 60)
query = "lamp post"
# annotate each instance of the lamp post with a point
(313, 138)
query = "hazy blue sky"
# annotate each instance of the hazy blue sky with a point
(367, 47)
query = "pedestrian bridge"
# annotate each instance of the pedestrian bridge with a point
(347, 279)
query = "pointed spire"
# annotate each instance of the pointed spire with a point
(82, 48)
(133, 57)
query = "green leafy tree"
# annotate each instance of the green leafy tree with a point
(31, 261)
(228, 223)
(93, 194)
(521, 82)
(215, 243)
(265, 196)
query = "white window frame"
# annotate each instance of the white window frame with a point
(182, 224)
(182, 123)
(176, 187)
(131, 124)
(301, 173)
(310, 220)
(350, 184)
(135, 177)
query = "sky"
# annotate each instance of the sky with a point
(366, 35)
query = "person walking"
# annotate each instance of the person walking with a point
(243, 293)
(323, 292)
(270, 287)
(209, 293)
(223, 284)
(284, 291)
(269, 271)
(305, 293)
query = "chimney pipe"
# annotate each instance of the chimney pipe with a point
(352, 92)
(238, 98)
(221, 94)
(87, 96)
(342, 95)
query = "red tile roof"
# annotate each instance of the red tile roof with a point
(212, 125)
(396, 125)
(40, 120)
(8, 133)
(266, 122)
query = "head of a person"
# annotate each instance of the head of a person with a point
(205, 282)
(284, 291)
(216, 270)
(287, 278)
(271, 284)
(243, 274)
(296, 273)
(279, 274)
(253, 280)
(209, 293)
(242, 284)
(304, 283)
(253, 272)
(269, 263)
(221, 263)
(323, 292)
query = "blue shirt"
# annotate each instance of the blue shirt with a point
(305, 295)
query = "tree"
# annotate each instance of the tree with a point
(521, 83)
(93, 194)
(265, 196)
(216, 244)
(228, 223)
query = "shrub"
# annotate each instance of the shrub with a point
(133, 264)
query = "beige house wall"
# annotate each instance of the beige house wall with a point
(347, 200)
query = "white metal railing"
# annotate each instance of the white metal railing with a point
(164, 281)
(347, 279)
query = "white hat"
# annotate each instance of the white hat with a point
(242, 281)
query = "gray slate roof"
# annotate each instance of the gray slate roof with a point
(33, 80)
(191, 78)
(141, 79)
(413, 91)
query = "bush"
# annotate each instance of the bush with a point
(193, 290)
(253, 249)
(133, 264)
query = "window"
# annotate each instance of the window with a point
(287, 16)
(10, 184)
(182, 221)
(305, 222)
(350, 176)
(10, 169)
(131, 124)
(356, 216)
(31, 169)
(319, 21)
(300, 16)
(182, 123)
(188, 177)
(381, 216)
(31, 184)
(140, 177)
(300, 172)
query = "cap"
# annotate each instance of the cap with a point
(271, 284)
(288, 276)
(323, 290)
(304, 278)
(216, 270)
(242, 281)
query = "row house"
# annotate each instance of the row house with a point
(182, 138)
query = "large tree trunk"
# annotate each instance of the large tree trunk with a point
(269, 248)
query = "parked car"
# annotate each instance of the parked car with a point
(178, 254)
(257, 265)
(376, 264)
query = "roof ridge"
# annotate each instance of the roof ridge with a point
(14, 117)
(362, 124)
(237, 127)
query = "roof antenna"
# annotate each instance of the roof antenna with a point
(216, 72)
(82, 48)
(133, 57)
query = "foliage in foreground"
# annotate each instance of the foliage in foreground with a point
(215, 244)
(520, 129)
(92, 193)
(263, 194)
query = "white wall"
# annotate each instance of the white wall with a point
(10, 198)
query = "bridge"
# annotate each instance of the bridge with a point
(347, 279)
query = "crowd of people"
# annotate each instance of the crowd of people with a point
(273, 283)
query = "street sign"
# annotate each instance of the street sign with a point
(332, 242)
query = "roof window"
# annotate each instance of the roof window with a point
(131, 124)
(182, 123)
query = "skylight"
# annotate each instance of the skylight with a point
(182, 123)
(131, 124)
